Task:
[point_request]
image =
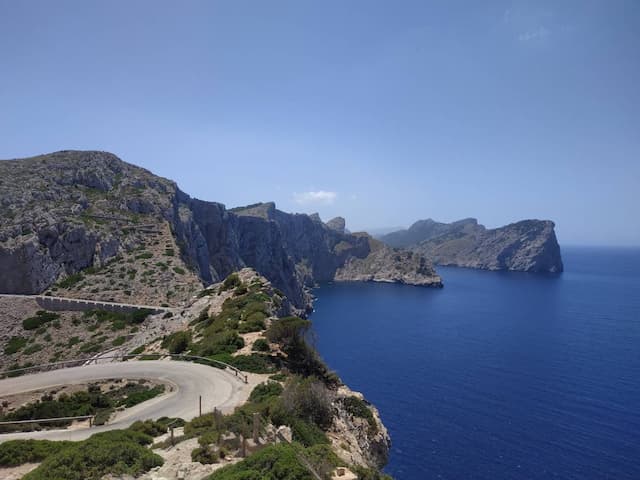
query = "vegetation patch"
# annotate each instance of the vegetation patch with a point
(279, 462)
(118, 452)
(41, 318)
(71, 280)
(90, 402)
(19, 452)
(178, 342)
(358, 408)
(14, 345)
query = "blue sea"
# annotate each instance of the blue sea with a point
(499, 375)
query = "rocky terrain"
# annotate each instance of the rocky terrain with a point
(236, 321)
(87, 224)
(528, 245)
(392, 265)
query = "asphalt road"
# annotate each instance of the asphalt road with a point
(189, 381)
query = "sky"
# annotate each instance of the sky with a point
(381, 112)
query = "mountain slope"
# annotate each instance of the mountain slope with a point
(528, 245)
(87, 224)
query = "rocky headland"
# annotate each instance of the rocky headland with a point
(87, 224)
(528, 245)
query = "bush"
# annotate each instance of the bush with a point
(179, 271)
(118, 452)
(307, 433)
(276, 462)
(232, 281)
(254, 363)
(18, 452)
(260, 345)
(42, 317)
(218, 343)
(358, 408)
(177, 342)
(309, 400)
(71, 280)
(265, 391)
(14, 344)
(118, 341)
(205, 455)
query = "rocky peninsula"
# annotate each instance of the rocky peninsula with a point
(527, 245)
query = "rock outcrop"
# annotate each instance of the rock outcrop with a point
(70, 211)
(391, 265)
(528, 245)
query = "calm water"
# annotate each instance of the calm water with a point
(498, 375)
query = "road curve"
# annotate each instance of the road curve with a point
(217, 387)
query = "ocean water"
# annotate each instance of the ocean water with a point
(499, 375)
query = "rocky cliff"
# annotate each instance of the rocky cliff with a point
(88, 224)
(528, 245)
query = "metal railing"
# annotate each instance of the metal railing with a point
(86, 361)
(52, 420)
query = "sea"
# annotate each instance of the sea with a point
(498, 375)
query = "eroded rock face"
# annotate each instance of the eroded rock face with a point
(528, 245)
(354, 439)
(390, 265)
(66, 211)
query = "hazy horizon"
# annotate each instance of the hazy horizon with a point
(383, 114)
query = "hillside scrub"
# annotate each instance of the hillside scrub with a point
(19, 452)
(279, 462)
(118, 452)
(90, 402)
(41, 318)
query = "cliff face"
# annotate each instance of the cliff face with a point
(142, 238)
(528, 245)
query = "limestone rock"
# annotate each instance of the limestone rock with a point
(528, 245)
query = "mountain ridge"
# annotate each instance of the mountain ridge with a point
(73, 213)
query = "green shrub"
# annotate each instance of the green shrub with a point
(358, 408)
(276, 462)
(118, 341)
(177, 342)
(232, 281)
(205, 455)
(137, 350)
(18, 452)
(265, 391)
(260, 345)
(71, 280)
(144, 256)
(118, 452)
(240, 290)
(308, 433)
(14, 344)
(179, 270)
(42, 317)
(254, 363)
(218, 343)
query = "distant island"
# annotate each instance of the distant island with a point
(528, 245)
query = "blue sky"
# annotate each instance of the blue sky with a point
(383, 112)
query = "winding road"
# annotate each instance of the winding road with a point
(217, 388)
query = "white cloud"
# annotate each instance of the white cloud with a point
(537, 34)
(319, 197)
